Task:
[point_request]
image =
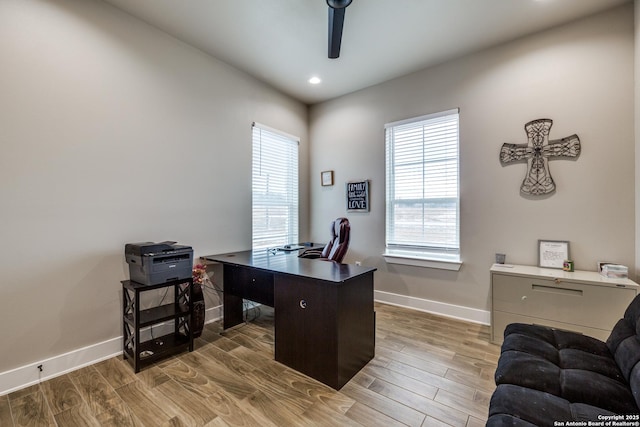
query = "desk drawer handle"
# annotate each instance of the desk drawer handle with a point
(303, 304)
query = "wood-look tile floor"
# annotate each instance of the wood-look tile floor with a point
(428, 371)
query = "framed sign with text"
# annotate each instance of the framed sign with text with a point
(358, 196)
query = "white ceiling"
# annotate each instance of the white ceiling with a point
(284, 42)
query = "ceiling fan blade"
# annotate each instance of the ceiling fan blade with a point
(336, 22)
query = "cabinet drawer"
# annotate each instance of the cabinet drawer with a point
(591, 306)
(501, 320)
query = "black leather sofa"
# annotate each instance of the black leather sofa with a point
(549, 377)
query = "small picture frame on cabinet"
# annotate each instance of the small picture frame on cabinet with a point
(552, 253)
(326, 178)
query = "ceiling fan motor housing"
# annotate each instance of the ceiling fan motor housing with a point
(338, 4)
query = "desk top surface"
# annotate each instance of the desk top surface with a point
(290, 263)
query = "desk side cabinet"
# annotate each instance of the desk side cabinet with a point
(324, 330)
(580, 301)
(179, 312)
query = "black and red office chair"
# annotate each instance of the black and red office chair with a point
(337, 247)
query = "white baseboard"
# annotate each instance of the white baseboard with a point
(27, 375)
(213, 314)
(444, 309)
(24, 376)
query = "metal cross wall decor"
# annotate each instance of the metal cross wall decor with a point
(537, 152)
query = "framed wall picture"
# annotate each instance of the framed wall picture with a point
(326, 178)
(552, 253)
(358, 196)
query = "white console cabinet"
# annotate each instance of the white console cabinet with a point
(581, 301)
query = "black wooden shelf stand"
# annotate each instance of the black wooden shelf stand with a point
(143, 353)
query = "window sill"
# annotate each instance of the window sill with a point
(427, 261)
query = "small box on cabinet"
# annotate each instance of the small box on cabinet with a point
(615, 271)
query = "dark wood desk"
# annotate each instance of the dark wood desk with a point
(324, 317)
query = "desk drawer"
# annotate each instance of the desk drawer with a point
(591, 306)
(256, 285)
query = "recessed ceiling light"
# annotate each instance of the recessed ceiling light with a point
(315, 80)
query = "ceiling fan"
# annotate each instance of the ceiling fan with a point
(336, 22)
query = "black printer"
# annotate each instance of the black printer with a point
(154, 263)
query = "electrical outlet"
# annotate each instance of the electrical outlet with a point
(358, 263)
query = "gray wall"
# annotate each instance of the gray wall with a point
(112, 132)
(580, 75)
(637, 127)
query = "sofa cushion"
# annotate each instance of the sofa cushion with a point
(571, 366)
(512, 405)
(624, 344)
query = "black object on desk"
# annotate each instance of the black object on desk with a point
(324, 317)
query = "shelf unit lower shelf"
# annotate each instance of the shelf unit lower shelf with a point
(172, 344)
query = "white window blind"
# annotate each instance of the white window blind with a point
(274, 188)
(422, 186)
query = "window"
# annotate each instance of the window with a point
(274, 188)
(422, 191)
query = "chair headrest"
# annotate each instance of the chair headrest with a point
(341, 229)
